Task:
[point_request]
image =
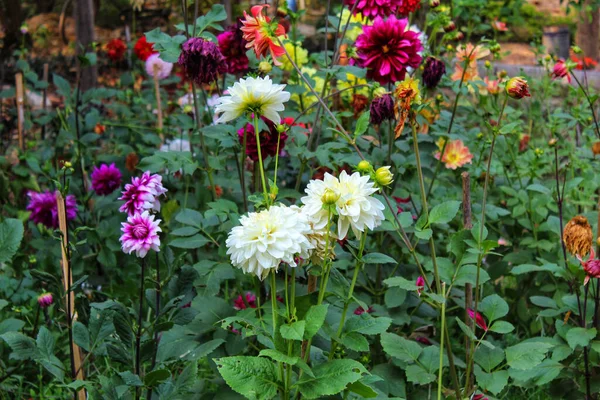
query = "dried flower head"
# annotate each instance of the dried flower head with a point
(517, 88)
(407, 93)
(578, 236)
(433, 72)
(202, 60)
(382, 109)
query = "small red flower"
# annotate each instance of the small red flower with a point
(478, 318)
(143, 49)
(561, 70)
(420, 285)
(261, 34)
(240, 304)
(360, 310)
(585, 63)
(115, 49)
(423, 340)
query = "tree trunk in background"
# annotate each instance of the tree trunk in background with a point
(11, 17)
(83, 11)
(228, 10)
(588, 32)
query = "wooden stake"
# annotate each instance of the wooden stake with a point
(67, 283)
(158, 103)
(45, 97)
(20, 109)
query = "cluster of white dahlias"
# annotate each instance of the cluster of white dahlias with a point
(280, 234)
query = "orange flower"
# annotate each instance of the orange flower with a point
(471, 54)
(585, 63)
(99, 129)
(499, 25)
(492, 85)
(261, 34)
(456, 154)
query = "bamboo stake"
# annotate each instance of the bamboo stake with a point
(67, 283)
(158, 102)
(20, 109)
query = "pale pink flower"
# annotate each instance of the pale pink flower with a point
(140, 234)
(163, 68)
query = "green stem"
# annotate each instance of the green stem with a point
(363, 240)
(325, 269)
(202, 144)
(587, 97)
(274, 303)
(260, 160)
(439, 393)
(276, 158)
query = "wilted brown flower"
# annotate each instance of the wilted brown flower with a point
(359, 103)
(99, 129)
(131, 161)
(578, 236)
(524, 143)
(596, 148)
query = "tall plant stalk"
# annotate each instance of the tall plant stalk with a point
(138, 335)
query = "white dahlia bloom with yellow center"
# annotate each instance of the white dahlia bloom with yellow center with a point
(267, 238)
(253, 95)
(315, 199)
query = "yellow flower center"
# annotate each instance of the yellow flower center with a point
(386, 48)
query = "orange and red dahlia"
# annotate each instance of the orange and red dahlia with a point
(584, 63)
(262, 34)
(387, 49)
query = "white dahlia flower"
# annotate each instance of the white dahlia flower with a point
(356, 207)
(315, 199)
(266, 238)
(253, 95)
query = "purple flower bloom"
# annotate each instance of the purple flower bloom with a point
(233, 47)
(433, 72)
(141, 194)
(202, 60)
(140, 234)
(106, 179)
(45, 300)
(45, 211)
(382, 109)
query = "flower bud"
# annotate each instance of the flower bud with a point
(517, 88)
(576, 49)
(67, 164)
(459, 36)
(596, 148)
(364, 166)
(265, 67)
(495, 48)
(449, 47)
(383, 176)
(449, 27)
(380, 91)
(578, 236)
(282, 128)
(488, 64)
(330, 197)
(434, 3)
(45, 300)
(552, 142)
(538, 152)
(188, 109)
(502, 74)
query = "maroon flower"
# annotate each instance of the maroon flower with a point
(382, 109)
(478, 318)
(202, 60)
(143, 49)
(105, 179)
(409, 6)
(387, 48)
(360, 310)
(433, 72)
(423, 340)
(268, 140)
(239, 303)
(233, 48)
(115, 49)
(479, 397)
(44, 209)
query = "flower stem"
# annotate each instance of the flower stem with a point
(202, 144)
(359, 264)
(439, 393)
(587, 97)
(260, 160)
(274, 303)
(138, 335)
(276, 158)
(326, 264)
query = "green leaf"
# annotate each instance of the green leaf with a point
(400, 348)
(402, 283)
(417, 374)
(364, 391)
(493, 382)
(466, 330)
(293, 331)
(156, 377)
(362, 124)
(378, 258)
(444, 213)
(502, 327)
(543, 301)
(526, 355)
(10, 325)
(81, 336)
(536, 187)
(23, 347)
(580, 336)
(355, 341)
(192, 242)
(132, 379)
(45, 343)
(487, 358)
(330, 378)
(367, 325)
(494, 307)
(11, 234)
(253, 377)
(315, 316)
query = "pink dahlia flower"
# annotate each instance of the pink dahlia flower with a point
(239, 303)
(105, 179)
(591, 266)
(142, 194)
(387, 49)
(45, 300)
(420, 283)
(561, 70)
(163, 68)
(374, 8)
(45, 211)
(478, 318)
(140, 234)
(233, 48)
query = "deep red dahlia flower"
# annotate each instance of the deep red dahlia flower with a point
(143, 49)
(115, 49)
(408, 6)
(387, 48)
(202, 60)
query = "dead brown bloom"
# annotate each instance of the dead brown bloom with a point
(131, 161)
(578, 236)
(596, 148)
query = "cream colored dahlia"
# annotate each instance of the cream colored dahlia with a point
(267, 238)
(253, 95)
(315, 199)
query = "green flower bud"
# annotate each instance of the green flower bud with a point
(383, 176)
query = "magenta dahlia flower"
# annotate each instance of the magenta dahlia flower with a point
(45, 300)
(374, 8)
(142, 194)
(201, 60)
(239, 303)
(387, 48)
(233, 47)
(105, 179)
(45, 211)
(140, 234)
(268, 140)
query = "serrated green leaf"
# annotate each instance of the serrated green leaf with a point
(11, 234)
(330, 378)
(400, 348)
(253, 377)
(444, 213)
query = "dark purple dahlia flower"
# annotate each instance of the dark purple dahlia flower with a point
(202, 60)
